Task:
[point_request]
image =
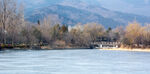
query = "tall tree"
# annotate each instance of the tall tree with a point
(94, 30)
(9, 18)
(134, 31)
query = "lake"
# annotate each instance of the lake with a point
(74, 62)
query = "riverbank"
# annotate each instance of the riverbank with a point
(128, 49)
(39, 47)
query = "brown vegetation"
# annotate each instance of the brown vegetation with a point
(14, 30)
(137, 36)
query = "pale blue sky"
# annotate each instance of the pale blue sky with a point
(141, 7)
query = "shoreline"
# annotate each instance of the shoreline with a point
(73, 48)
(44, 48)
(127, 49)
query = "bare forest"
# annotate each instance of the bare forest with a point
(15, 30)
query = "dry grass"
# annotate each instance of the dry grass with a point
(128, 49)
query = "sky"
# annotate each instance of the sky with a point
(141, 7)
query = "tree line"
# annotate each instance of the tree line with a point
(15, 30)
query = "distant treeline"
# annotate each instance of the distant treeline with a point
(15, 30)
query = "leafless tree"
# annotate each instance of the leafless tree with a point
(10, 19)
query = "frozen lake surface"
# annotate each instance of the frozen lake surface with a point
(73, 62)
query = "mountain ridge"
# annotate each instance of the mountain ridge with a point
(72, 15)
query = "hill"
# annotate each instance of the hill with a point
(80, 11)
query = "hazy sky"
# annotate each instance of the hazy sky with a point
(141, 7)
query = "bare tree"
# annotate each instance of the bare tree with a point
(94, 30)
(134, 31)
(10, 19)
(146, 35)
